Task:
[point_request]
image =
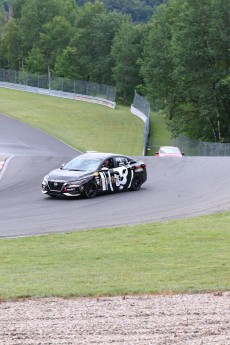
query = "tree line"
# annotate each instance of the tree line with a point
(178, 59)
(139, 10)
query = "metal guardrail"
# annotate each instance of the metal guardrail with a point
(59, 87)
(61, 94)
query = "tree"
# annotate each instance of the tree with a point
(2, 20)
(67, 65)
(45, 28)
(92, 41)
(157, 63)
(139, 10)
(55, 37)
(34, 15)
(202, 64)
(126, 50)
(106, 25)
(193, 92)
(17, 8)
(11, 52)
(35, 62)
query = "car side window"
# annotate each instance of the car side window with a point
(121, 161)
(108, 163)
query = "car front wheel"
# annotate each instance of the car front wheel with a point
(90, 190)
(136, 183)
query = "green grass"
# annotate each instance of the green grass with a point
(85, 126)
(159, 134)
(177, 256)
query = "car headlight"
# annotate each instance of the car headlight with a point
(45, 181)
(76, 183)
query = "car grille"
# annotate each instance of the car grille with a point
(55, 186)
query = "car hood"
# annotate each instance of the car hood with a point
(67, 175)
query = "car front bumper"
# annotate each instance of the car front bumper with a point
(61, 188)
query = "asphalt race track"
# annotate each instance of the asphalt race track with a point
(176, 188)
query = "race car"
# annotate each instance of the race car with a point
(94, 173)
(169, 151)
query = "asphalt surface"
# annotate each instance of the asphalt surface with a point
(176, 188)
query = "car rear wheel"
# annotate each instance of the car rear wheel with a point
(136, 183)
(90, 190)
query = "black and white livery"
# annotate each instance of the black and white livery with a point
(93, 173)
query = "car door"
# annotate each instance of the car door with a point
(123, 174)
(115, 176)
(106, 173)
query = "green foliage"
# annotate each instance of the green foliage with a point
(126, 49)
(159, 133)
(17, 6)
(55, 38)
(34, 15)
(11, 50)
(139, 10)
(94, 33)
(67, 65)
(157, 65)
(35, 62)
(191, 67)
(3, 18)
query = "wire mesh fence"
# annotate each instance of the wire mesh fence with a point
(192, 147)
(141, 108)
(59, 84)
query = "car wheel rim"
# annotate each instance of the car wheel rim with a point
(91, 191)
(137, 183)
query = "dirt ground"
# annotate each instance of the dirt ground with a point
(194, 319)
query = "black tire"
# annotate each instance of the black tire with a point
(136, 183)
(90, 190)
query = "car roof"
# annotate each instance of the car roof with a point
(169, 147)
(101, 155)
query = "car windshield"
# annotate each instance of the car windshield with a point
(83, 164)
(173, 150)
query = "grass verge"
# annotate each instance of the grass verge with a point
(85, 126)
(159, 134)
(177, 256)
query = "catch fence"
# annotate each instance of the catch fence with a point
(57, 86)
(141, 108)
(192, 147)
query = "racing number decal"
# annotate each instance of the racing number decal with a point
(122, 175)
(120, 178)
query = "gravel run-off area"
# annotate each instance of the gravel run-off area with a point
(192, 319)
